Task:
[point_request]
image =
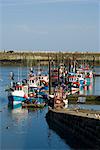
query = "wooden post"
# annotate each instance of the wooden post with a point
(58, 75)
(58, 64)
(69, 64)
(49, 76)
(93, 61)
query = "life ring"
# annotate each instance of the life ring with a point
(31, 95)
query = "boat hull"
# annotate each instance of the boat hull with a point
(88, 81)
(15, 101)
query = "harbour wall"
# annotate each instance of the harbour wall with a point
(33, 57)
(78, 131)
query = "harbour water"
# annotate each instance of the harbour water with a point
(27, 129)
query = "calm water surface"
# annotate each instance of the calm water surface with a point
(22, 129)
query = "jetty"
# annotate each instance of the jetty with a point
(79, 128)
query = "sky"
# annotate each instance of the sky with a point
(50, 25)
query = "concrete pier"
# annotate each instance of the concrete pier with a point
(79, 128)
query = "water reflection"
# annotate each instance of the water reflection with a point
(19, 114)
(86, 90)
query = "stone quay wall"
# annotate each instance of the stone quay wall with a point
(81, 132)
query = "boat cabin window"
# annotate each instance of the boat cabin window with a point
(70, 79)
(18, 88)
(32, 81)
(79, 75)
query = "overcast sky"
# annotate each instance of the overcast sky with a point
(67, 25)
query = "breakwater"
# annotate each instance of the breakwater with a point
(89, 99)
(79, 128)
(24, 58)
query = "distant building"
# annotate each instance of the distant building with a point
(10, 51)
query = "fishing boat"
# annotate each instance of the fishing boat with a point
(24, 94)
(73, 83)
(38, 80)
(17, 95)
(26, 90)
(87, 74)
(17, 92)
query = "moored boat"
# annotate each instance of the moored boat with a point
(27, 90)
(17, 95)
